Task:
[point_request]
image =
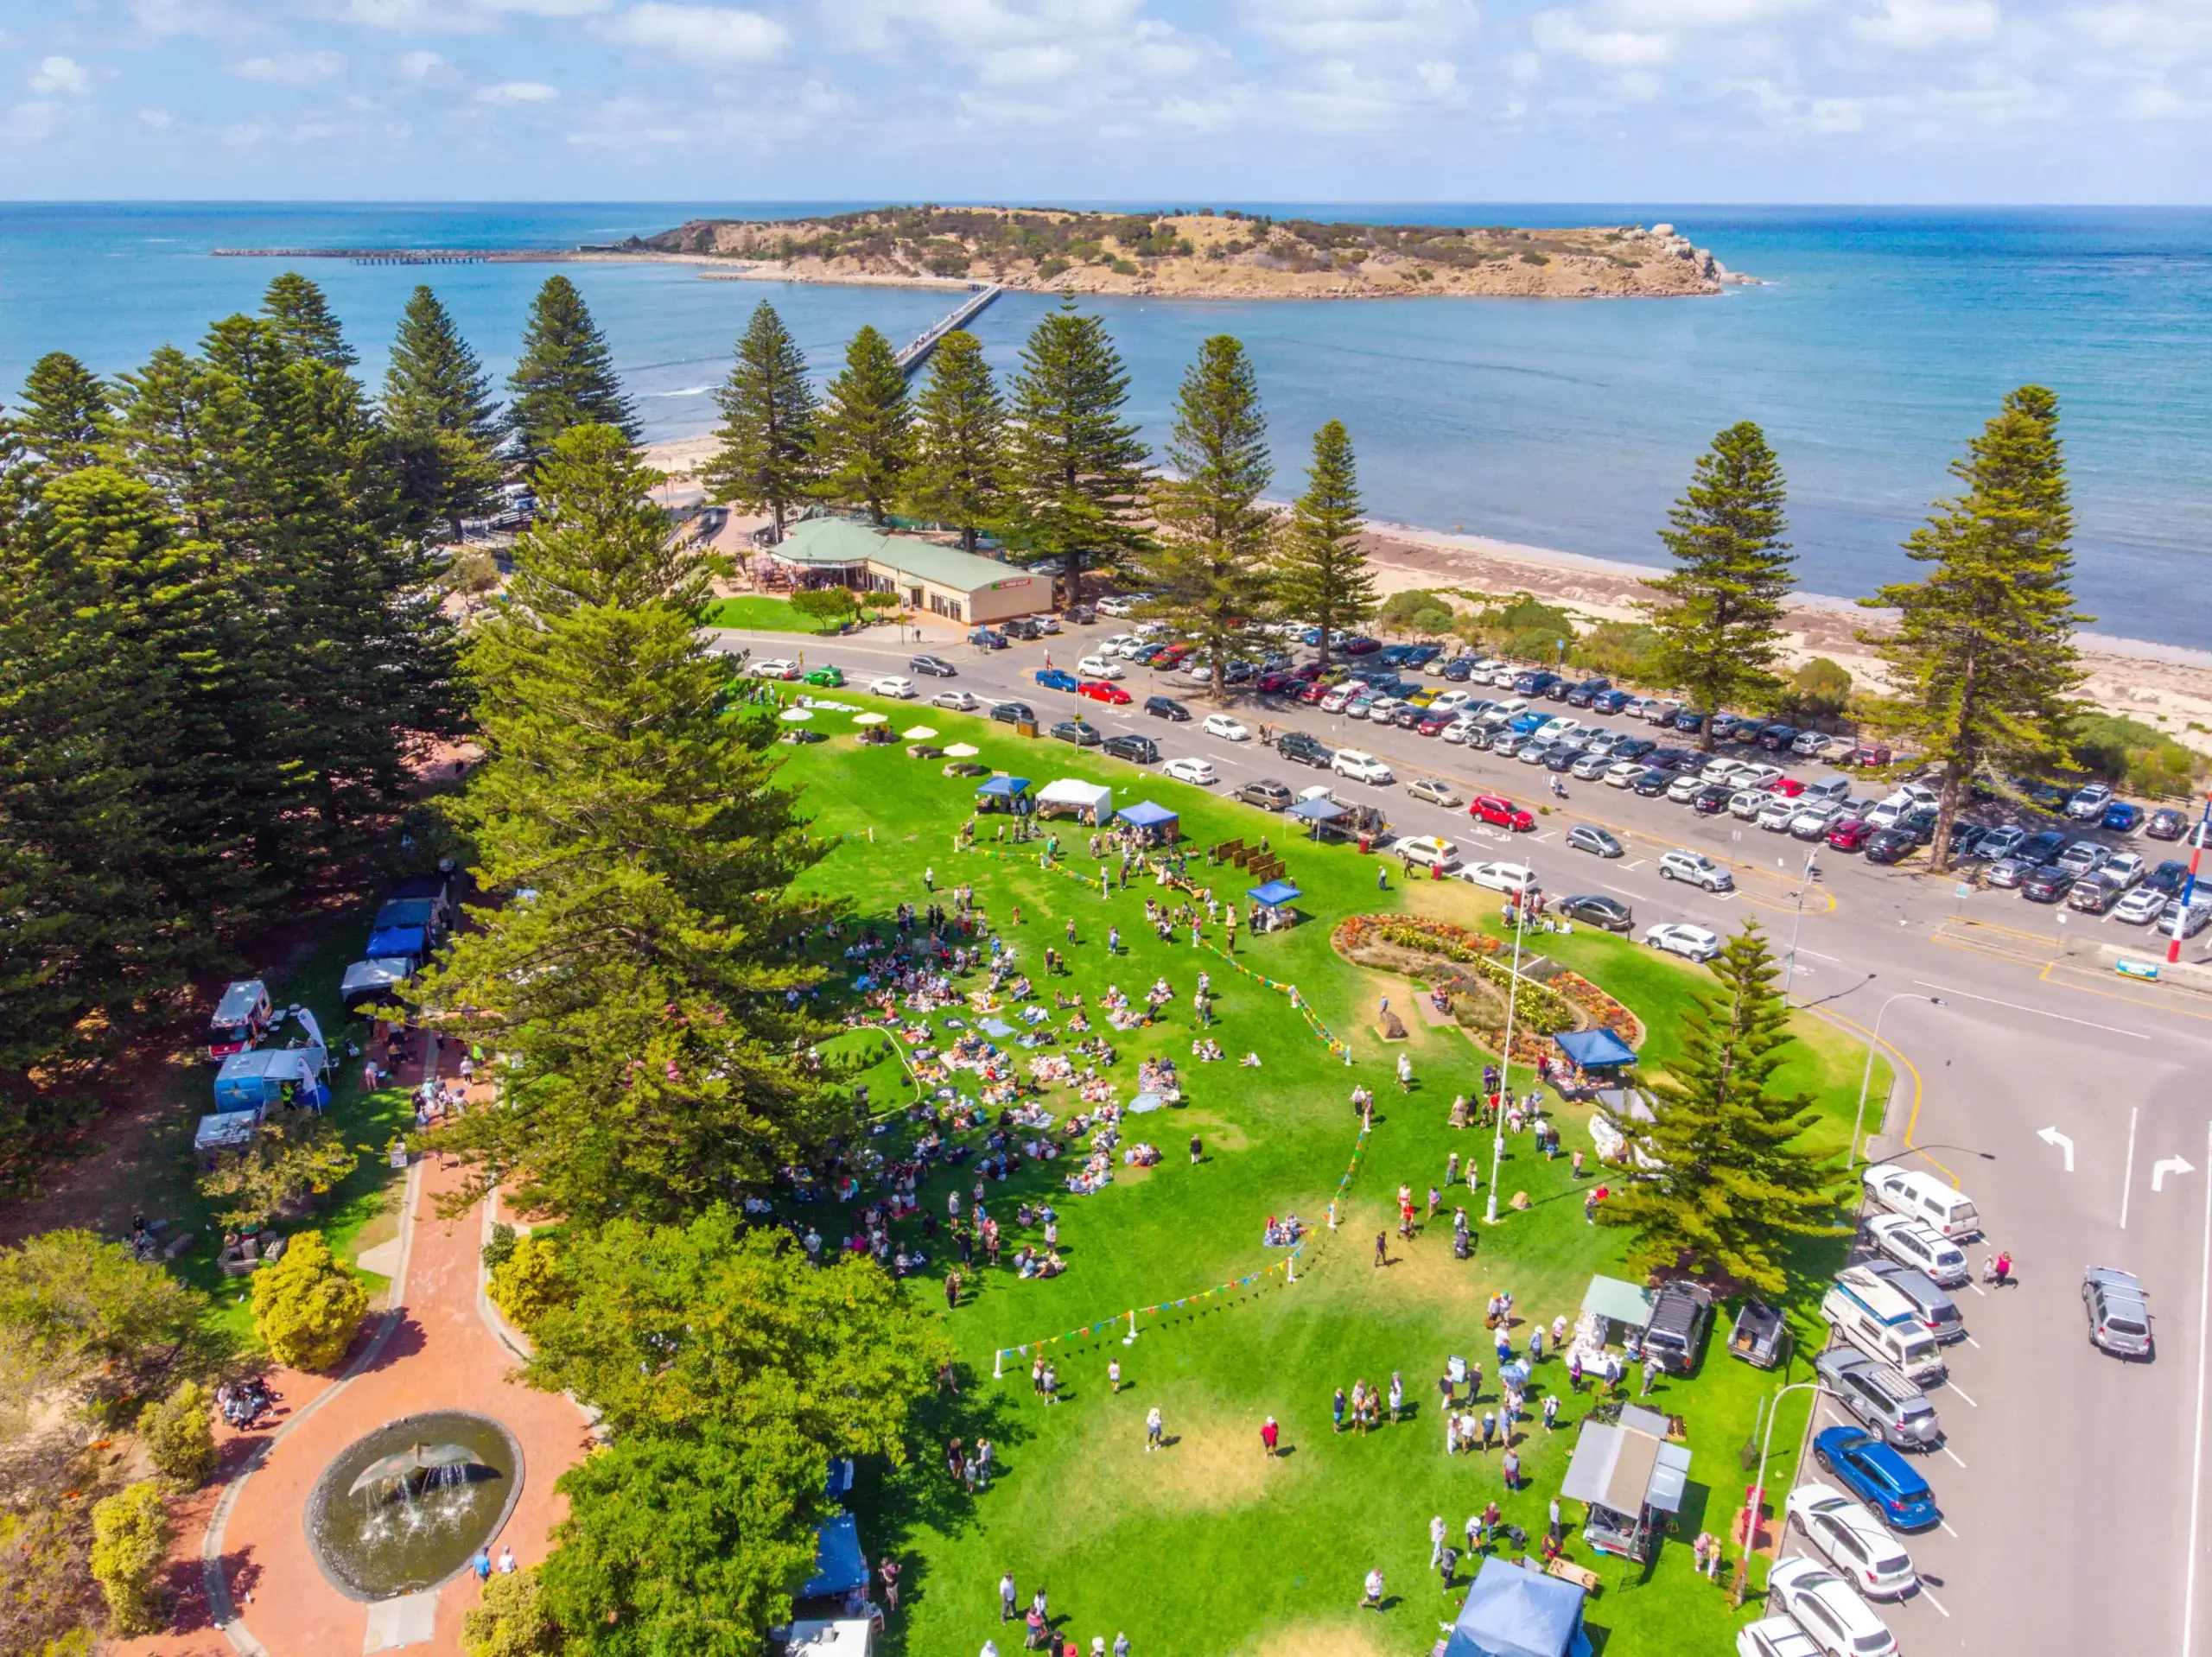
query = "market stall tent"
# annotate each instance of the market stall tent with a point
(1002, 793)
(1275, 899)
(838, 1564)
(1630, 1475)
(1513, 1612)
(1088, 801)
(1156, 823)
(1595, 1050)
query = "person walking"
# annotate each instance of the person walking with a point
(1381, 876)
(1397, 1396)
(1512, 1468)
(929, 878)
(1436, 1534)
(1336, 1410)
(1405, 1073)
(888, 1573)
(1112, 940)
(951, 1290)
(1052, 1385)
(1197, 1150)
(1371, 1599)
(1489, 1429)
(1270, 1437)
(1007, 1598)
(1113, 1374)
(1382, 1248)
(1153, 1430)
(1551, 1412)
(1556, 1526)
(1650, 1378)
(1575, 1369)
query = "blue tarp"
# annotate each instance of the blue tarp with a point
(1595, 1050)
(1004, 787)
(1322, 810)
(1145, 814)
(838, 1565)
(1275, 894)
(398, 942)
(1514, 1612)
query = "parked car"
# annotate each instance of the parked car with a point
(2166, 823)
(1855, 1542)
(896, 687)
(2089, 803)
(1362, 767)
(1500, 812)
(2046, 884)
(985, 639)
(1850, 834)
(1056, 679)
(1436, 792)
(2121, 818)
(960, 702)
(1711, 800)
(1267, 794)
(1937, 1312)
(1137, 750)
(1190, 770)
(1610, 913)
(1774, 1636)
(1914, 1243)
(1078, 732)
(1228, 729)
(1588, 837)
(1304, 750)
(2140, 907)
(1166, 707)
(1828, 1610)
(1696, 868)
(1811, 745)
(1889, 846)
(931, 667)
(2120, 1313)
(1779, 739)
(1101, 667)
(1653, 781)
(1098, 690)
(1877, 1475)
(2094, 893)
(775, 667)
(1674, 1334)
(1428, 851)
(1500, 877)
(1013, 713)
(1880, 1398)
(1685, 786)
(1679, 938)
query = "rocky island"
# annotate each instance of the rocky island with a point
(1210, 254)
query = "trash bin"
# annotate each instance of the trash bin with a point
(1366, 842)
(1025, 727)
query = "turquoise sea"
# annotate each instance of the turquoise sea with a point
(1881, 340)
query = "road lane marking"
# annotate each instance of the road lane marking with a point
(2037, 1012)
(1971, 1342)
(2165, 1166)
(1947, 1451)
(1953, 1385)
(1947, 1531)
(1929, 1597)
(2196, 1455)
(2051, 1136)
(1817, 956)
(2127, 1183)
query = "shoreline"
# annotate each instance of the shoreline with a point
(2166, 686)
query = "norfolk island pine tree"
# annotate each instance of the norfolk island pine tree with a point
(959, 441)
(866, 432)
(769, 457)
(1321, 573)
(564, 377)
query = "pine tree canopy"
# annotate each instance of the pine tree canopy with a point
(1982, 658)
(437, 406)
(1719, 620)
(1733, 1186)
(1321, 573)
(959, 441)
(1075, 467)
(1211, 574)
(866, 433)
(303, 322)
(769, 459)
(565, 376)
(68, 417)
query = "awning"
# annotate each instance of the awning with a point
(838, 1565)
(1623, 1302)
(368, 979)
(1004, 788)
(1512, 1612)
(226, 1129)
(1595, 1050)
(1145, 814)
(1275, 894)
(1630, 1467)
(1320, 810)
(1076, 795)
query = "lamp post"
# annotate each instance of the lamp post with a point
(1867, 1080)
(1789, 968)
(1759, 1485)
(1505, 1058)
(2188, 886)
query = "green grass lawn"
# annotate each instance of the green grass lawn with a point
(765, 615)
(1209, 1548)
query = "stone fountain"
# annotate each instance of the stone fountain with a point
(406, 1507)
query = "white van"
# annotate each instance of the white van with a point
(1910, 1349)
(1879, 1298)
(1923, 1197)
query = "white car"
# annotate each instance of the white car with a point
(1459, 730)
(1679, 938)
(960, 702)
(1552, 729)
(1450, 702)
(1721, 769)
(1500, 877)
(1774, 1636)
(1777, 814)
(1192, 771)
(2141, 906)
(1101, 667)
(1840, 1624)
(1811, 822)
(1623, 774)
(775, 667)
(1361, 767)
(1228, 729)
(1919, 1245)
(1428, 851)
(1745, 803)
(1813, 744)
(1696, 868)
(1684, 788)
(1757, 776)
(2126, 867)
(902, 688)
(1857, 1544)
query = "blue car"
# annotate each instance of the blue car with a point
(1878, 1476)
(1055, 679)
(1522, 724)
(2123, 818)
(1609, 701)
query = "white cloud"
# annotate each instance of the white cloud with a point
(157, 119)
(1564, 32)
(1027, 66)
(61, 74)
(1914, 23)
(518, 91)
(290, 68)
(27, 123)
(425, 69)
(714, 34)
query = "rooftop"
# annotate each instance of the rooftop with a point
(838, 542)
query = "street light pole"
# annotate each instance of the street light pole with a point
(1758, 1486)
(1505, 1058)
(1789, 969)
(1867, 1080)
(2188, 886)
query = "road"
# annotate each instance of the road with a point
(2059, 1095)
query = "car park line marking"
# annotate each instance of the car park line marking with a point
(1623, 890)
(1929, 1597)
(2127, 1181)
(1817, 956)
(1953, 1385)
(1947, 1531)
(1947, 1451)
(2147, 1005)
(2037, 1012)
(2197, 1455)
(1976, 1345)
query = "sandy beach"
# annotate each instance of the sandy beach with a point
(2163, 685)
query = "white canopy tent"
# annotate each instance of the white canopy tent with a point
(1093, 803)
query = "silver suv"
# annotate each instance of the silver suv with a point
(2119, 1316)
(1881, 1398)
(1696, 868)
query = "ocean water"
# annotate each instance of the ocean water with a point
(1880, 340)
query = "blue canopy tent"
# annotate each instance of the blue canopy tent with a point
(1274, 900)
(1513, 1612)
(839, 1566)
(398, 943)
(1595, 1050)
(1155, 823)
(1003, 794)
(1319, 811)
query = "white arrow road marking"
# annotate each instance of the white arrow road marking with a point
(2052, 1136)
(2165, 1166)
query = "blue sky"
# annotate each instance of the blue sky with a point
(1400, 100)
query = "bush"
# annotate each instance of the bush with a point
(510, 1619)
(529, 1283)
(2126, 750)
(1819, 690)
(307, 1306)
(1522, 626)
(501, 1246)
(295, 1157)
(474, 571)
(1055, 266)
(828, 603)
(1623, 651)
(131, 1543)
(1400, 608)
(180, 1435)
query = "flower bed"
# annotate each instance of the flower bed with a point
(1562, 1001)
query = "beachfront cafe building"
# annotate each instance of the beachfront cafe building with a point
(961, 586)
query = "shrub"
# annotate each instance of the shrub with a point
(1400, 608)
(510, 1619)
(1622, 651)
(2121, 750)
(530, 1282)
(131, 1543)
(501, 1246)
(295, 1157)
(48, 1598)
(828, 603)
(180, 1435)
(1820, 689)
(1055, 266)
(474, 571)
(307, 1306)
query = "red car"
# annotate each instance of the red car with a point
(1275, 683)
(1788, 787)
(1099, 691)
(1305, 672)
(1849, 833)
(1432, 723)
(1313, 693)
(1170, 657)
(1497, 809)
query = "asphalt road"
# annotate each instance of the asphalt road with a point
(2069, 1102)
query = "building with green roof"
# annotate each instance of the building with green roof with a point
(959, 586)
